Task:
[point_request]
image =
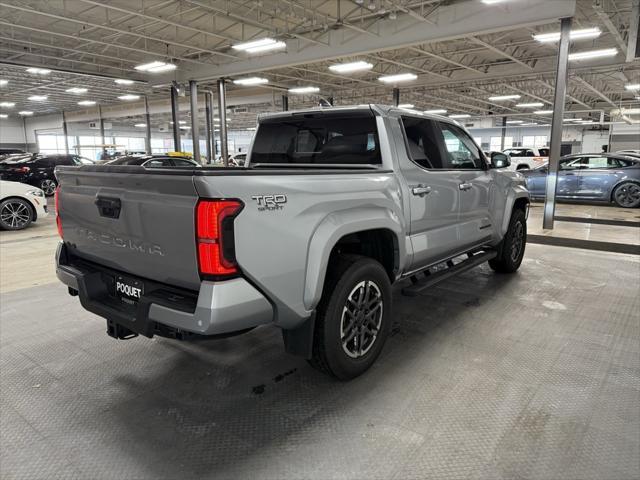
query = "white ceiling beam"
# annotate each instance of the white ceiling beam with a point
(457, 20)
(500, 52)
(594, 90)
(605, 18)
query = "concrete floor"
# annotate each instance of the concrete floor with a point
(534, 375)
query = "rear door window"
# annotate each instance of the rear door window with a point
(318, 138)
(421, 138)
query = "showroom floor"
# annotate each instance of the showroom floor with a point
(535, 375)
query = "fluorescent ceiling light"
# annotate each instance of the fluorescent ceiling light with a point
(586, 122)
(38, 98)
(406, 105)
(492, 2)
(251, 129)
(123, 81)
(262, 45)
(156, 67)
(401, 77)
(25, 113)
(39, 71)
(140, 125)
(76, 90)
(529, 124)
(3, 82)
(184, 127)
(251, 81)
(4, 115)
(7, 104)
(504, 97)
(438, 111)
(350, 67)
(304, 90)
(460, 115)
(634, 86)
(530, 105)
(181, 122)
(605, 52)
(87, 102)
(543, 112)
(515, 122)
(129, 97)
(573, 120)
(582, 34)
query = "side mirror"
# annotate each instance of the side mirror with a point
(499, 160)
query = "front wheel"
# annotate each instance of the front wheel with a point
(511, 249)
(627, 195)
(48, 186)
(15, 214)
(353, 318)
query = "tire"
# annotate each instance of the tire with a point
(48, 186)
(350, 281)
(15, 214)
(627, 195)
(511, 249)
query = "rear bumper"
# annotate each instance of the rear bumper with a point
(218, 308)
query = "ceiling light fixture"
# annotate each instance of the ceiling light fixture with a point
(185, 127)
(77, 90)
(400, 77)
(7, 104)
(38, 98)
(438, 111)
(25, 113)
(493, 2)
(39, 71)
(350, 67)
(406, 105)
(630, 111)
(460, 115)
(140, 125)
(3, 82)
(514, 122)
(302, 90)
(543, 112)
(156, 67)
(262, 45)
(583, 34)
(632, 87)
(4, 115)
(530, 105)
(123, 81)
(251, 81)
(87, 103)
(499, 98)
(129, 97)
(605, 52)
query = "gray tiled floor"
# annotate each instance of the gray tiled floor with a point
(535, 375)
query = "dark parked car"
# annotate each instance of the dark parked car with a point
(155, 161)
(10, 151)
(606, 177)
(37, 170)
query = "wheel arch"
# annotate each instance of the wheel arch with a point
(620, 182)
(518, 197)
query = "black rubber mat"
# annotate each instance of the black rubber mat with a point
(586, 244)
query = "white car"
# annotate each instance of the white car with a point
(525, 158)
(20, 204)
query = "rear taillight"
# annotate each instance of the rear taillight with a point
(24, 169)
(214, 236)
(56, 198)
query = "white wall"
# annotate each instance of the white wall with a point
(11, 131)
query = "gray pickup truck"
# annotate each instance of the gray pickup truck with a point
(333, 206)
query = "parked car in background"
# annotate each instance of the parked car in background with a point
(238, 160)
(607, 177)
(37, 170)
(10, 151)
(20, 205)
(523, 158)
(155, 161)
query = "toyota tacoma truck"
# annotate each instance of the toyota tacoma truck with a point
(332, 207)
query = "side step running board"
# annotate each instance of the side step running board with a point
(431, 279)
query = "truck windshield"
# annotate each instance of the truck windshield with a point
(343, 138)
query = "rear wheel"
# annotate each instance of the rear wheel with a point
(48, 186)
(627, 195)
(15, 214)
(511, 249)
(353, 318)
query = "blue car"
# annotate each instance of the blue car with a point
(592, 176)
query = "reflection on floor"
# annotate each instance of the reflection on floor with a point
(628, 235)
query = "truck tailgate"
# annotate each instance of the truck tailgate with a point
(141, 224)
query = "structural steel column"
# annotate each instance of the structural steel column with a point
(222, 111)
(556, 123)
(396, 97)
(65, 132)
(208, 109)
(101, 120)
(504, 133)
(147, 122)
(174, 119)
(195, 132)
(285, 103)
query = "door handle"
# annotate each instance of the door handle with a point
(421, 190)
(465, 186)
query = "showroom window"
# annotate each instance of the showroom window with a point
(495, 144)
(53, 143)
(534, 141)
